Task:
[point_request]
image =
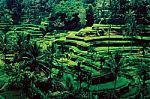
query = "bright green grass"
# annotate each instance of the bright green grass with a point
(102, 37)
(72, 33)
(93, 71)
(27, 24)
(67, 61)
(4, 23)
(106, 25)
(87, 29)
(121, 82)
(75, 37)
(144, 37)
(61, 39)
(81, 43)
(117, 48)
(12, 32)
(113, 42)
(147, 28)
(24, 28)
(1, 62)
(77, 50)
(83, 59)
(88, 38)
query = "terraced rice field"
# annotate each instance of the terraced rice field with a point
(88, 46)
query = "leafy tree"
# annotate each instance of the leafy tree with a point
(5, 14)
(89, 15)
(67, 10)
(141, 10)
(15, 6)
(99, 8)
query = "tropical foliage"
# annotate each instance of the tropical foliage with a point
(74, 49)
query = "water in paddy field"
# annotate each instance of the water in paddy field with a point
(74, 49)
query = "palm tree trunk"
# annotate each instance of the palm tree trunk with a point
(115, 83)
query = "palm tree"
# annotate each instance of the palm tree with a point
(115, 61)
(33, 59)
(117, 66)
(21, 45)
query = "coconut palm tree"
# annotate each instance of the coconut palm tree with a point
(117, 66)
(21, 45)
(115, 62)
(33, 59)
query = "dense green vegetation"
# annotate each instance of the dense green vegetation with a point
(74, 49)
